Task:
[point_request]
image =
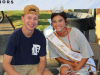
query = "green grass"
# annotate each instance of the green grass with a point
(15, 17)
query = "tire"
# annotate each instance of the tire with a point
(2, 16)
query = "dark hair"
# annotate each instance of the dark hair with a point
(63, 14)
(23, 15)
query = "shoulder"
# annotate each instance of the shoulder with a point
(38, 33)
(15, 34)
(76, 31)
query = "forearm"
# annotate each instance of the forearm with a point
(41, 66)
(9, 69)
(65, 61)
(81, 64)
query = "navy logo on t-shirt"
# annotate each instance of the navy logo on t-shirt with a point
(35, 49)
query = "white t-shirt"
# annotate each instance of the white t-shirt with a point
(78, 43)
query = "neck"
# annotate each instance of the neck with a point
(27, 33)
(62, 34)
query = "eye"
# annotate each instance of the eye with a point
(60, 20)
(54, 22)
(29, 17)
(35, 18)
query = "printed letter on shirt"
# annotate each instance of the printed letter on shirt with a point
(35, 49)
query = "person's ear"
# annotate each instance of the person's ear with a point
(22, 17)
(66, 20)
(52, 26)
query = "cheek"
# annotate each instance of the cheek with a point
(36, 22)
(53, 24)
(25, 20)
(63, 23)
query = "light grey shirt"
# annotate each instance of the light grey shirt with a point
(78, 43)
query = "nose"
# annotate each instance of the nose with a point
(32, 20)
(57, 23)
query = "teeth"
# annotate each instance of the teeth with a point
(31, 25)
(58, 27)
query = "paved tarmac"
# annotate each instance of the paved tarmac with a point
(6, 29)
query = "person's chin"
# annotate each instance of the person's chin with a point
(58, 30)
(31, 29)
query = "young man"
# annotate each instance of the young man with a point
(25, 52)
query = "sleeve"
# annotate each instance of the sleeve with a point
(11, 46)
(43, 46)
(52, 51)
(84, 46)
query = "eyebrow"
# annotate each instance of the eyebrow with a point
(60, 20)
(34, 17)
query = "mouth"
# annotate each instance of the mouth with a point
(58, 27)
(31, 25)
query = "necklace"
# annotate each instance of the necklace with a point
(67, 34)
(62, 32)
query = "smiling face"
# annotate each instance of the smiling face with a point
(58, 23)
(30, 21)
